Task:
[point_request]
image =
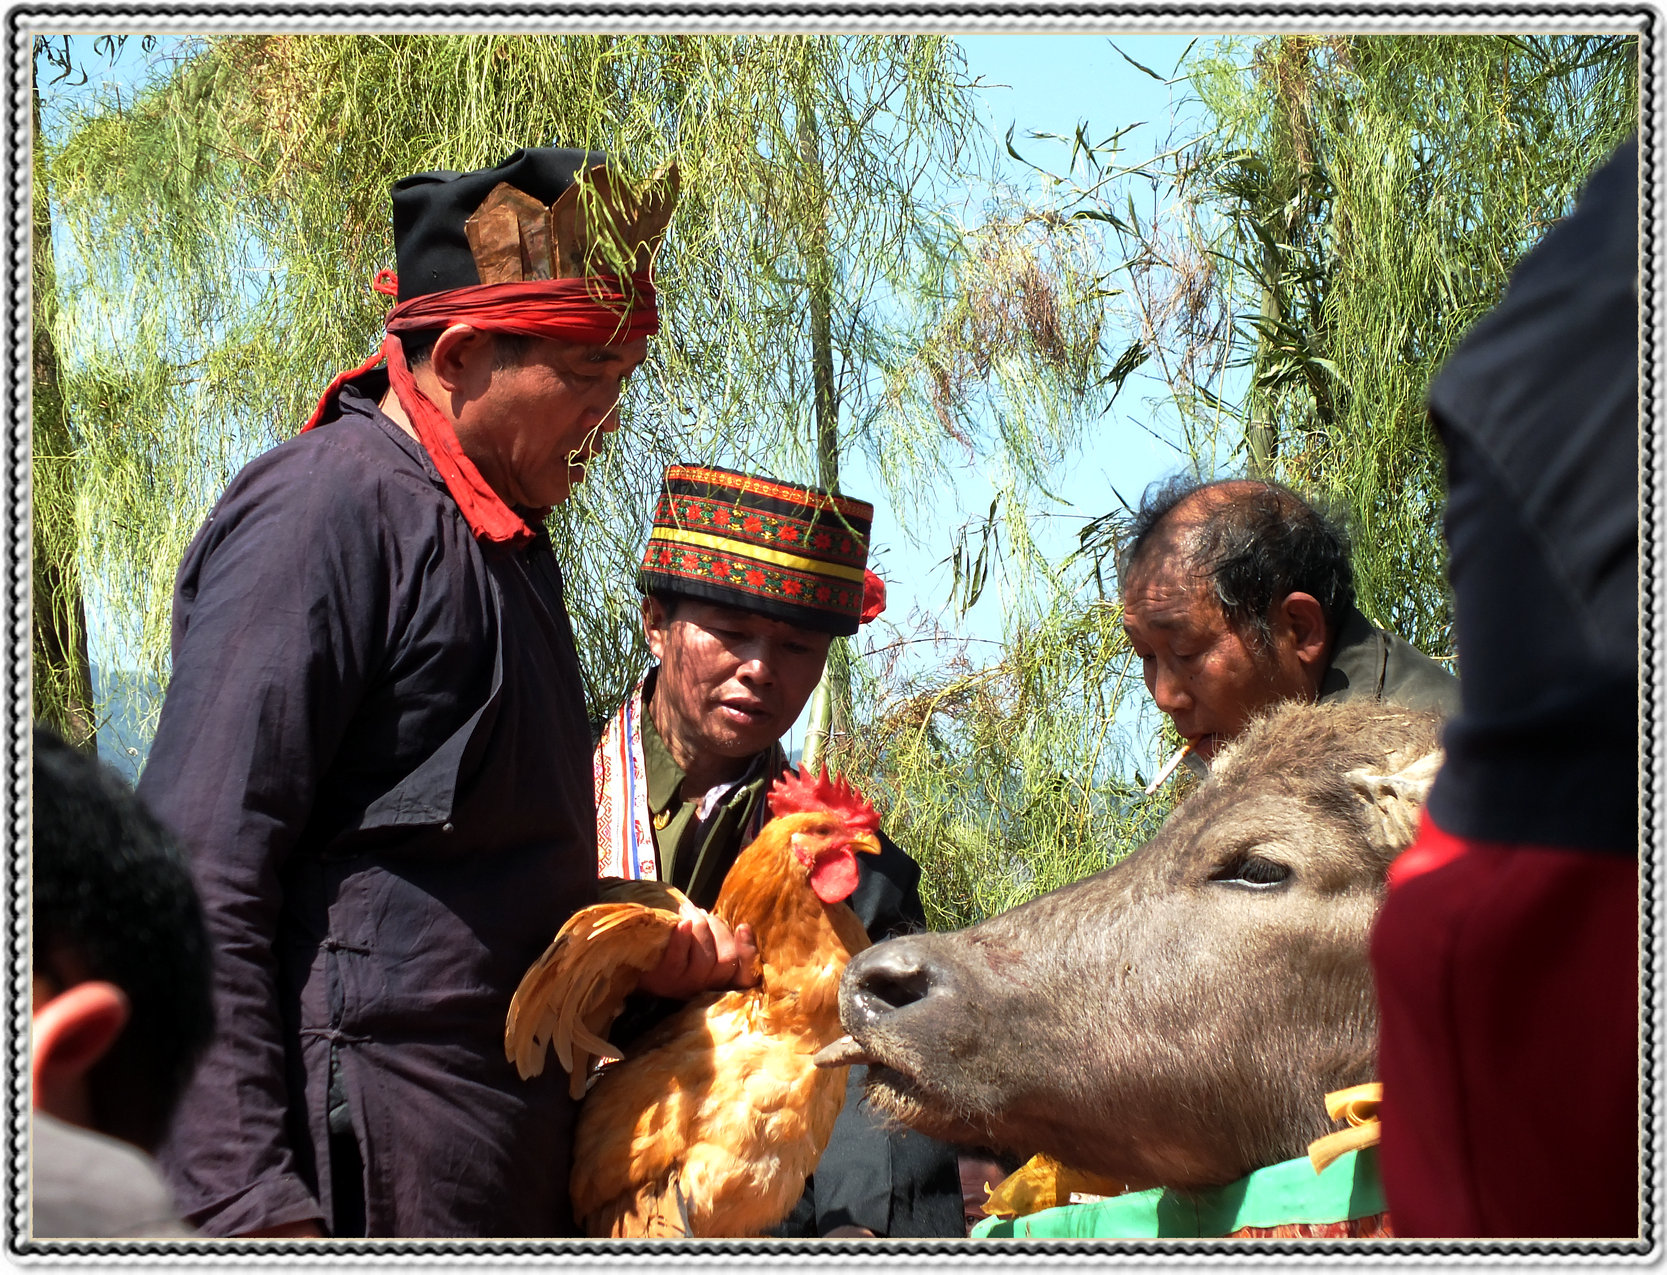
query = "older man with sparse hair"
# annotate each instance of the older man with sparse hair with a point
(1238, 594)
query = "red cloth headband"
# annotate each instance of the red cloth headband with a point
(596, 309)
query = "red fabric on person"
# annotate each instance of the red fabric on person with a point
(873, 596)
(484, 510)
(595, 310)
(1433, 849)
(1507, 980)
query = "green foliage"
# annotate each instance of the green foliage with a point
(1009, 778)
(226, 224)
(1294, 273)
(61, 689)
(1354, 205)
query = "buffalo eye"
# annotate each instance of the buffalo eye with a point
(1253, 871)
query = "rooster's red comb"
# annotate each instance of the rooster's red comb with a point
(796, 793)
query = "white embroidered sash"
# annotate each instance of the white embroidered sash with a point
(624, 836)
(624, 840)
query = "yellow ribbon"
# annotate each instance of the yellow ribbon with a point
(747, 549)
(1359, 1105)
(1044, 1183)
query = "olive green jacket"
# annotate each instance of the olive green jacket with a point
(1366, 660)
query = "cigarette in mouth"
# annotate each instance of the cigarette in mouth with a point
(1169, 768)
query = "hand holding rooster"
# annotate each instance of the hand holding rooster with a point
(713, 1124)
(702, 954)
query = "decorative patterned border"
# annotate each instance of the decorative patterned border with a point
(742, 538)
(1651, 786)
(824, 17)
(831, 16)
(741, 573)
(811, 546)
(15, 695)
(804, 497)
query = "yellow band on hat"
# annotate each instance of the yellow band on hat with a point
(721, 544)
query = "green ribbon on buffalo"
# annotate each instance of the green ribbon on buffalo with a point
(1281, 1194)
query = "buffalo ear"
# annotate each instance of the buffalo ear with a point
(1394, 800)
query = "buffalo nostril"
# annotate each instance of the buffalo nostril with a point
(883, 981)
(893, 991)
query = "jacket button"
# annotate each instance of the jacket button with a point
(445, 827)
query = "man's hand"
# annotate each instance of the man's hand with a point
(703, 956)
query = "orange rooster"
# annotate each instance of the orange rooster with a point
(712, 1125)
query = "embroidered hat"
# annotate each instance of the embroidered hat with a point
(792, 553)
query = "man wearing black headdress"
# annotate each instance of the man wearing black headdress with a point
(375, 746)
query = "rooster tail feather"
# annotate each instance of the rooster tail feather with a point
(578, 986)
(649, 893)
(581, 997)
(682, 1204)
(595, 1045)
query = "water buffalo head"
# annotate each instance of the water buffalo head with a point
(1177, 1018)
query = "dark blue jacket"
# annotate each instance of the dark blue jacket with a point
(374, 748)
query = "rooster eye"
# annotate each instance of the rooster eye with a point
(1253, 871)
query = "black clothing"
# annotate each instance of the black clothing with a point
(374, 749)
(430, 209)
(1538, 409)
(1506, 956)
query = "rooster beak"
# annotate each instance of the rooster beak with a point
(867, 842)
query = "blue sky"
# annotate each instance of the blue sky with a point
(1051, 84)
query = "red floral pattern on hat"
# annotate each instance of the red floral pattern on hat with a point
(763, 580)
(719, 517)
(801, 549)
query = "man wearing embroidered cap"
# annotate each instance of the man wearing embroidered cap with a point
(746, 581)
(371, 661)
